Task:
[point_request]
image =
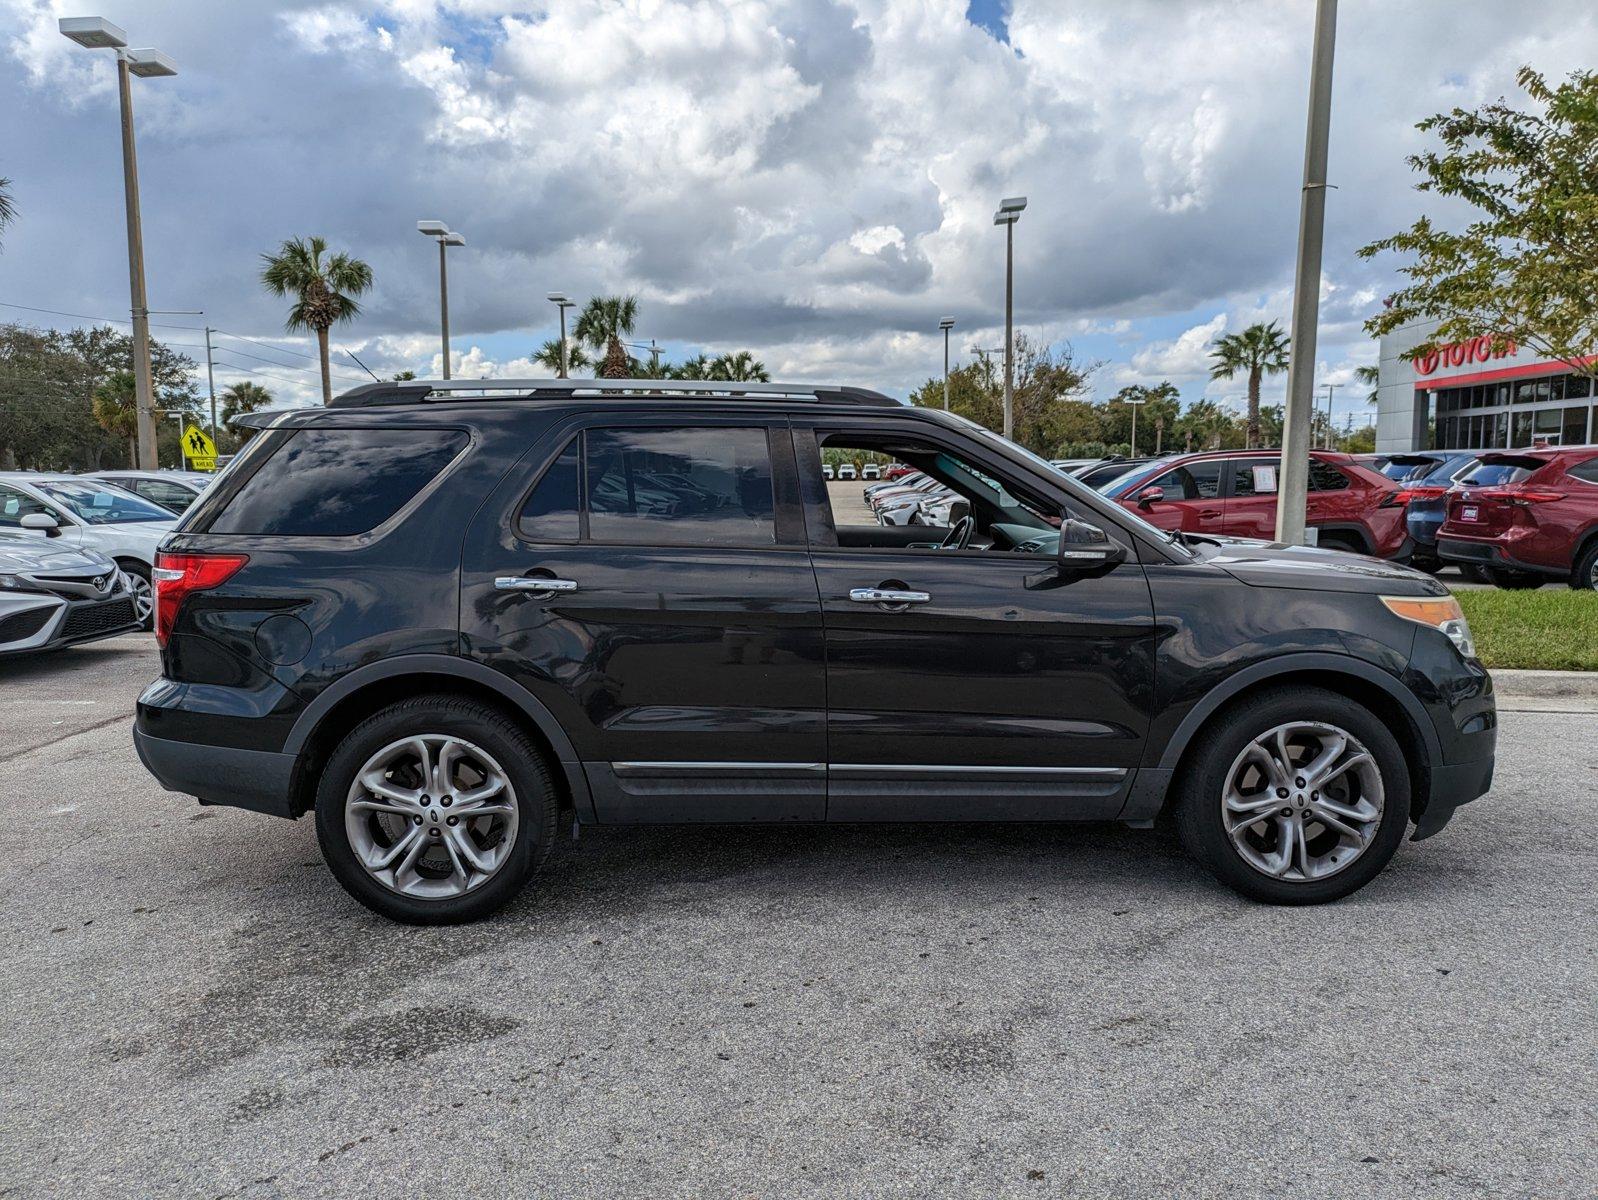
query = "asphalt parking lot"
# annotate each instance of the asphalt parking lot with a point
(193, 1007)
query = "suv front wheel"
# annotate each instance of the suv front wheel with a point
(1295, 797)
(436, 810)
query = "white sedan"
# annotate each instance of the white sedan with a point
(90, 515)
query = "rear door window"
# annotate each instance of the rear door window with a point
(1253, 477)
(679, 486)
(324, 482)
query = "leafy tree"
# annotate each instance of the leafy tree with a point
(603, 323)
(1203, 426)
(1050, 390)
(404, 376)
(8, 208)
(324, 292)
(116, 409)
(1257, 351)
(1156, 414)
(741, 367)
(549, 356)
(1526, 269)
(241, 398)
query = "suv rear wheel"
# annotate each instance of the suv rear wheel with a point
(1584, 576)
(436, 810)
(1508, 577)
(1295, 797)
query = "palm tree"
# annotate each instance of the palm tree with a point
(549, 356)
(1203, 422)
(8, 208)
(1370, 377)
(404, 376)
(742, 367)
(323, 292)
(604, 322)
(241, 398)
(115, 410)
(1259, 350)
(697, 367)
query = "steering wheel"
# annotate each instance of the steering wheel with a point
(959, 537)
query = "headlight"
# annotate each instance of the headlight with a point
(1443, 614)
(10, 583)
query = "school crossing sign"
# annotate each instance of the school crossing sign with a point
(199, 451)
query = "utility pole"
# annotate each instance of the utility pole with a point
(1330, 388)
(210, 380)
(946, 324)
(1293, 483)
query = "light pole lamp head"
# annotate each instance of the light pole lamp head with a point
(150, 63)
(454, 239)
(93, 33)
(558, 298)
(946, 323)
(432, 228)
(1012, 204)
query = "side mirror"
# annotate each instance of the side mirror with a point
(1084, 546)
(1150, 496)
(43, 521)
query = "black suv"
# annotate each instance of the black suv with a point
(453, 618)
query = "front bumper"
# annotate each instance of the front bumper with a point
(53, 623)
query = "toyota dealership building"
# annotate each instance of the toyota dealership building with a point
(1467, 396)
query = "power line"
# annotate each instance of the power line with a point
(55, 312)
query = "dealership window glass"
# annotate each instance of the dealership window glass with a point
(1556, 388)
(1522, 429)
(1574, 430)
(325, 482)
(1577, 386)
(1325, 478)
(680, 486)
(550, 514)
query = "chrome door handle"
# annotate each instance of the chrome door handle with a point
(533, 583)
(887, 596)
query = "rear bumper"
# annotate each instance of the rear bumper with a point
(1489, 554)
(258, 780)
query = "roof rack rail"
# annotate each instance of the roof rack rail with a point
(418, 391)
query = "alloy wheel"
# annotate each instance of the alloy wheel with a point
(431, 816)
(1302, 801)
(143, 598)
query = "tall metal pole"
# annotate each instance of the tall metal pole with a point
(945, 368)
(1134, 432)
(1331, 389)
(563, 364)
(144, 388)
(210, 380)
(1009, 326)
(1294, 479)
(443, 299)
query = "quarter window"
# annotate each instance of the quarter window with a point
(325, 482)
(550, 514)
(1325, 478)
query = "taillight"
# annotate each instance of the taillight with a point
(1406, 495)
(176, 575)
(1523, 498)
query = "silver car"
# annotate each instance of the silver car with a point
(59, 596)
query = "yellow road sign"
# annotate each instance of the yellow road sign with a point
(198, 449)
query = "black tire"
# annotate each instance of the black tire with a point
(495, 733)
(140, 573)
(1429, 565)
(1584, 575)
(1199, 816)
(1472, 572)
(1513, 580)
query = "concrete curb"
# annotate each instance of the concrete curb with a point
(1546, 691)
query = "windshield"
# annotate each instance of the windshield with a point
(1110, 486)
(102, 504)
(1495, 475)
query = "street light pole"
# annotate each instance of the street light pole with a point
(96, 33)
(1009, 213)
(1294, 478)
(558, 299)
(1134, 405)
(946, 324)
(1330, 389)
(210, 380)
(445, 237)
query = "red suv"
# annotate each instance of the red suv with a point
(1233, 493)
(1527, 516)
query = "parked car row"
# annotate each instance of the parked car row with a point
(77, 552)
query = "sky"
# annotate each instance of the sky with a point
(808, 179)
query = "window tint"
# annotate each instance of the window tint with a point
(338, 482)
(1325, 478)
(1253, 477)
(550, 514)
(14, 505)
(1494, 475)
(689, 486)
(167, 495)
